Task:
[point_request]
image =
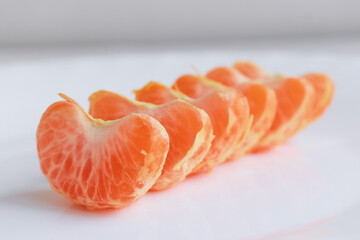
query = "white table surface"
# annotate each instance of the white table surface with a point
(307, 188)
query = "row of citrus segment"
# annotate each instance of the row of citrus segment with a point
(113, 155)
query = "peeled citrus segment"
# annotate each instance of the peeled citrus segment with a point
(295, 96)
(262, 103)
(228, 112)
(227, 76)
(251, 70)
(195, 86)
(189, 129)
(157, 93)
(198, 86)
(100, 164)
(324, 89)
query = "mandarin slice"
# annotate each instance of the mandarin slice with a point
(228, 112)
(322, 85)
(295, 98)
(100, 164)
(196, 86)
(189, 129)
(262, 102)
(324, 89)
(250, 70)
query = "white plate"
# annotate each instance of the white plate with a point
(307, 188)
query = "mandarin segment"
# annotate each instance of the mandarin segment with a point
(289, 117)
(294, 97)
(198, 86)
(227, 110)
(100, 164)
(189, 128)
(229, 113)
(227, 76)
(262, 103)
(250, 70)
(324, 89)
(186, 83)
(157, 93)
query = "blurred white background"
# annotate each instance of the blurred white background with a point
(50, 28)
(50, 22)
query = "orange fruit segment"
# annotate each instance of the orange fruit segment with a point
(227, 76)
(228, 112)
(189, 129)
(198, 86)
(324, 89)
(100, 164)
(250, 70)
(263, 105)
(157, 93)
(262, 102)
(295, 98)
